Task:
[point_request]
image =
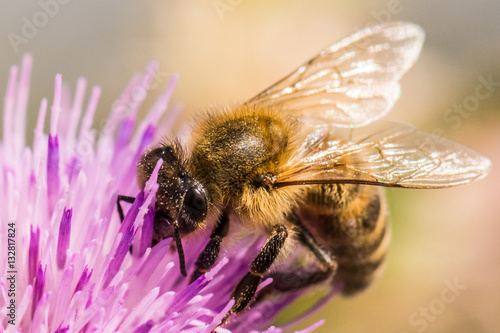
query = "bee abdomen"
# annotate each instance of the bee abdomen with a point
(359, 266)
(351, 221)
(361, 257)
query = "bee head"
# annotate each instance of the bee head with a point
(182, 202)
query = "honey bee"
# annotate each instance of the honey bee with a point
(299, 162)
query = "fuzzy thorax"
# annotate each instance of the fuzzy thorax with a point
(232, 148)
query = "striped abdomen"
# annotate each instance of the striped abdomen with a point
(350, 222)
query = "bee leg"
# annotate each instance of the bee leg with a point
(246, 288)
(119, 205)
(284, 282)
(305, 237)
(207, 258)
(291, 281)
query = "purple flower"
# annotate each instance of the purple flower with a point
(68, 267)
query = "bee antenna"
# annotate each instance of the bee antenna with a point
(180, 250)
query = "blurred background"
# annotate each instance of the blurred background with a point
(443, 269)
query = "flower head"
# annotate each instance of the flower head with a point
(68, 265)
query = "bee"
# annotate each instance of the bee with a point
(304, 162)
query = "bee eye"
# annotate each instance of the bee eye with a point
(159, 151)
(195, 203)
(165, 152)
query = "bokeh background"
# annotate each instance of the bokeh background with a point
(228, 50)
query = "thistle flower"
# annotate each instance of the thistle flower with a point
(65, 259)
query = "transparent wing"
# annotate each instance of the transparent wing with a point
(384, 153)
(353, 82)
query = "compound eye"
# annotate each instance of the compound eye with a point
(195, 203)
(158, 151)
(165, 152)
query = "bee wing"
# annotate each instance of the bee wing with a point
(353, 82)
(383, 153)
